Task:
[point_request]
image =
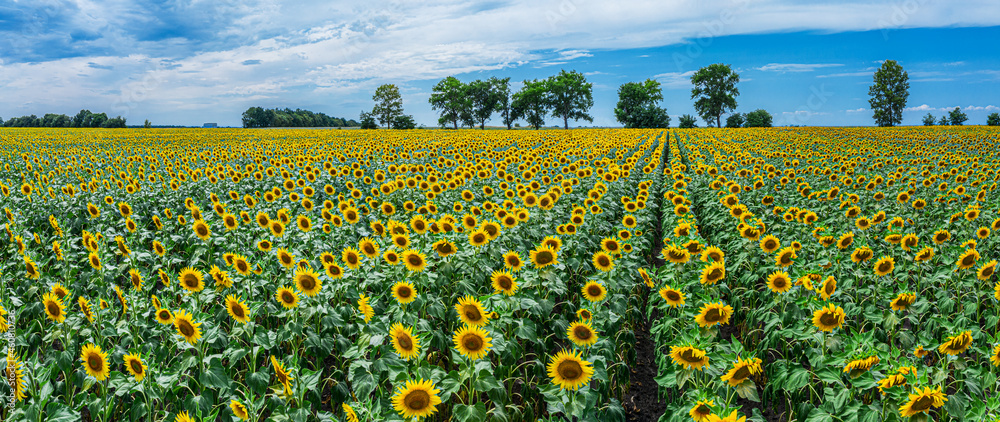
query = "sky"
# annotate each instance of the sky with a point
(197, 61)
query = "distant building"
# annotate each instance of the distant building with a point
(210, 125)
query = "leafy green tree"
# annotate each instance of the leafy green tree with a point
(80, 117)
(147, 124)
(501, 86)
(715, 90)
(484, 98)
(1, 121)
(992, 120)
(570, 96)
(957, 117)
(688, 121)
(448, 97)
(637, 105)
(116, 123)
(531, 103)
(368, 121)
(404, 122)
(388, 104)
(888, 94)
(735, 120)
(943, 121)
(928, 120)
(759, 118)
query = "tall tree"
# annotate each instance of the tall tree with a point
(367, 120)
(531, 103)
(992, 120)
(715, 90)
(928, 120)
(449, 98)
(570, 96)
(736, 120)
(502, 89)
(637, 105)
(688, 121)
(484, 98)
(957, 117)
(759, 118)
(888, 93)
(388, 104)
(943, 121)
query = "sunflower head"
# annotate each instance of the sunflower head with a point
(417, 399)
(472, 342)
(569, 371)
(404, 292)
(471, 311)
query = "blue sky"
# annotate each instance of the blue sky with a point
(190, 62)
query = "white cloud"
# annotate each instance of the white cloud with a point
(846, 75)
(922, 107)
(857, 110)
(675, 80)
(795, 67)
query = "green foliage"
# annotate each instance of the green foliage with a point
(688, 121)
(637, 105)
(404, 122)
(888, 94)
(957, 117)
(928, 120)
(943, 121)
(759, 118)
(258, 117)
(147, 124)
(530, 103)
(83, 119)
(993, 119)
(570, 96)
(715, 90)
(484, 98)
(735, 120)
(388, 104)
(448, 97)
(368, 121)
(501, 86)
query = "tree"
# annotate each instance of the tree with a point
(80, 117)
(957, 117)
(888, 94)
(449, 98)
(715, 89)
(147, 124)
(735, 120)
(117, 123)
(530, 103)
(502, 89)
(759, 118)
(1, 121)
(367, 121)
(484, 99)
(637, 105)
(388, 104)
(404, 122)
(992, 120)
(928, 120)
(570, 96)
(688, 121)
(943, 121)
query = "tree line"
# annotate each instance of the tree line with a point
(258, 117)
(85, 118)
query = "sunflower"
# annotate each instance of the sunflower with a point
(93, 210)
(414, 260)
(406, 345)
(603, 261)
(712, 273)
(828, 288)
(471, 311)
(15, 375)
(307, 281)
(569, 371)
(82, 301)
(713, 253)
(995, 356)
(512, 261)
(862, 254)
(582, 334)
(287, 297)
(54, 308)
(714, 313)
(956, 344)
(544, 256)
(967, 259)
(884, 265)
(183, 417)
(909, 241)
(163, 316)
(444, 248)
(924, 254)
(159, 248)
(239, 410)
(281, 374)
(594, 291)
(769, 244)
(285, 258)
(785, 257)
(920, 352)
(277, 228)
(701, 410)
(365, 308)
(742, 369)
(985, 272)
(779, 282)
(201, 229)
(672, 296)
(676, 254)
(417, 399)
(828, 318)
(733, 417)
(857, 367)
(191, 280)
(95, 261)
(349, 413)
(241, 265)
(689, 357)
(472, 342)
(504, 282)
(135, 366)
(903, 301)
(922, 401)
(237, 309)
(95, 362)
(186, 326)
(404, 292)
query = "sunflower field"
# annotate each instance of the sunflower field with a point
(807, 274)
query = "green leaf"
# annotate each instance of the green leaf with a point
(748, 390)
(465, 413)
(214, 377)
(798, 377)
(818, 415)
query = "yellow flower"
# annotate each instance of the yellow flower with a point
(712, 273)
(594, 291)
(404, 292)
(186, 326)
(95, 362)
(471, 311)
(713, 314)
(472, 342)
(417, 399)
(956, 344)
(237, 309)
(239, 410)
(503, 281)
(779, 282)
(742, 369)
(673, 297)
(135, 366)
(569, 371)
(922, 401)
(828, 318)
(406, 345)
(689, 357)
(581, 334)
